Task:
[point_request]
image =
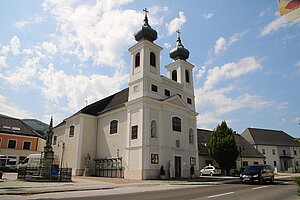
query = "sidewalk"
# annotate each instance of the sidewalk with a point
(10, 186)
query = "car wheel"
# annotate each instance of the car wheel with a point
(272, 180)
(211, 174)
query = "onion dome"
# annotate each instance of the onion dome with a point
(179, 52)
(146, 32)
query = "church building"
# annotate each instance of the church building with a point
(137, 131)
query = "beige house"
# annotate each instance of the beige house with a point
(280, 149)
(134, 132)
(248, 154)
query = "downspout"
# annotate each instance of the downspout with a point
(96, 145)
(36, 145)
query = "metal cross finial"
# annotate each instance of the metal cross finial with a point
(146, 18)
(178, 33)
(145, 10)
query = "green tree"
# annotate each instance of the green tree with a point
(222, 147)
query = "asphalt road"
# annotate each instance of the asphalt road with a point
(283, 189)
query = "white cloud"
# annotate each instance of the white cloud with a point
(201, 72)
(49, 47)
(9, 109)
(231, 70)
(176, 23)
(282, 106)
(23, 23)
(3, 61)
(15, 45)
(297, 119)
(98, 31)
(208, 15)
(167, 45)
(273, 26)
(22, 75)
(27, 51)
(4, 49)
(77, 88)
(213, 104)
(156, 16)
(264, 12)
(277, 24)
(222, 44)
(297, 64)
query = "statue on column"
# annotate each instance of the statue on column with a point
(48, 157)
(49, 135)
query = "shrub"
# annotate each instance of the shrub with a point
(297, 181)
(162, 171)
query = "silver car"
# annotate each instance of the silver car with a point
(210, 170)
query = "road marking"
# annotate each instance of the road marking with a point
(259, 187)
(218, 195)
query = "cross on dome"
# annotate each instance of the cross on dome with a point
(146, 11)
(146, 32)
(178, 33)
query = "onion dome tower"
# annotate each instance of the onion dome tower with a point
(144, 62)
(179, 52)
(146, 32)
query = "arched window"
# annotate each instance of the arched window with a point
(137, 60)
(71, 133)
(187, 76)
(174, 75)
(113, 126)
(176, 124)
(153, 129)
(191, 136)
(152, 59)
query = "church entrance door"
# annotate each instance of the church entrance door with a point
(177, 167)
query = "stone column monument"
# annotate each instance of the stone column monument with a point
(48, 157)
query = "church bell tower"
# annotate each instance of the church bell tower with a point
(144, 60)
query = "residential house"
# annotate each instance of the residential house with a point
(17, 140)
(280, 149)
(248, 154)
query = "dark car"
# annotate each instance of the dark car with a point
(258, 173)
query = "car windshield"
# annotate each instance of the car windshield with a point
(252, 169)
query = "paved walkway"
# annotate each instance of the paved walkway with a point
(11, 188)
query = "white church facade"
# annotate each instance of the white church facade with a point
(134, 132)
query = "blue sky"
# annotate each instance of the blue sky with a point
(55, 55)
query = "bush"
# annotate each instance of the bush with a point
(162, 171)
(297, 181)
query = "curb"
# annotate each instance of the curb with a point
(52, 191)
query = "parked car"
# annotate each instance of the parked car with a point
(258, 173)
(34, 160)
(210, 170)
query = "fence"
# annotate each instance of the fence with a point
(53, 173)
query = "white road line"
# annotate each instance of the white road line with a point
(259, 187)
(218, 195)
